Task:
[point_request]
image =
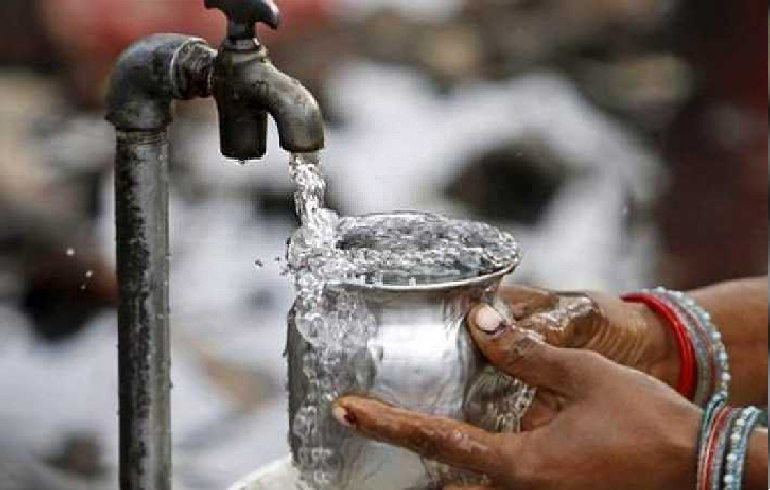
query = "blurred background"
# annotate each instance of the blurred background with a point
(624, 142)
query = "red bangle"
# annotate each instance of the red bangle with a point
(687, 370)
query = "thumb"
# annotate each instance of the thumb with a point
(524, 355)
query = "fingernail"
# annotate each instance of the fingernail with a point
(489, 320)
(344, 416)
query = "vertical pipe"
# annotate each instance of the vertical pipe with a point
(141, 193)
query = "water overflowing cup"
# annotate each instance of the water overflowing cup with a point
(416, 353)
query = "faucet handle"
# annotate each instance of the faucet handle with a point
(242, 15)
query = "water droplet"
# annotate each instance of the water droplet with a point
(70, 252)
(89, 274)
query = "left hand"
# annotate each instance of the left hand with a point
(615, 428)
(627, 333)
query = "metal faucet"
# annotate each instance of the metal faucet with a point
(147, 78)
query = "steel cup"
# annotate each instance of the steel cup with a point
(419, 357)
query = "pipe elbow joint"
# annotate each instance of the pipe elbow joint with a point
(152, 73)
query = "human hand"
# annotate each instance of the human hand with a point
(615, 428)
(627, 333)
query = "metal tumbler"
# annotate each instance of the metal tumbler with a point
(419, 357)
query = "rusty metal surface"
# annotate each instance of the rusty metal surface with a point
(141, 190)
(154, 72)
(148, 77)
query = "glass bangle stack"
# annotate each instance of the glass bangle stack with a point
(725, 434)
(712, 362)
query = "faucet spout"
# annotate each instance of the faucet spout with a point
(247, 87)
(295, 110)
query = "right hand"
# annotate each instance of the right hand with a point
(617, 428)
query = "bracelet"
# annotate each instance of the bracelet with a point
(719, 453)
(686, 382)
(713, 406)
(735, 461)
(710, 448)
(702, 344)
(704, 363)
(723, 444)
(714, 375)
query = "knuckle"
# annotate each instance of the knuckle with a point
(423, 441)
(522, 350)
(592, 362)
(586, 367)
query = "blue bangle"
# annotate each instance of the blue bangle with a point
(740, 435)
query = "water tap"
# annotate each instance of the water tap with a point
(247, 87)
(147, 79)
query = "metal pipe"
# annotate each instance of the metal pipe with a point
(147, 78)
(141, 197)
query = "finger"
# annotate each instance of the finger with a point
(524, 355)
(443, 440)
(524, 301)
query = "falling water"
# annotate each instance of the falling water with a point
(328, 251)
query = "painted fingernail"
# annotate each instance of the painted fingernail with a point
(489, 320)
(344, 416)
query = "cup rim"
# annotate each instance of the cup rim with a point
(438, 286)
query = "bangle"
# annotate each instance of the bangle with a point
(686, 382)
(713, 365)
(713, 448)
(702, 342)
(719, 454)
(713, 406)
(723, 444)
(740, 435)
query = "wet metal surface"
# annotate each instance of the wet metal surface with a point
(421, 358)
(141, 186)
(147, 78)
